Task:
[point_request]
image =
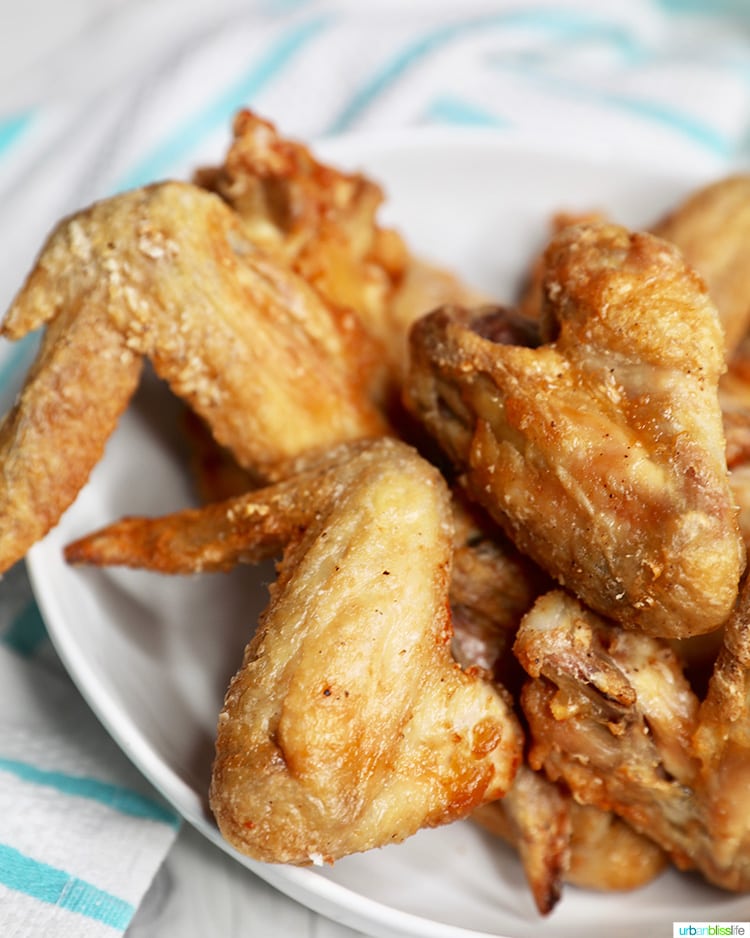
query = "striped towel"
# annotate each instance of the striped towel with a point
(144, 91)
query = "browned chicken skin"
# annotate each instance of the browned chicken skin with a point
(168, 273)
(492, 588)
(712, 230)
(602, 451)
(322, 222)
(611, 714)
(349, 725)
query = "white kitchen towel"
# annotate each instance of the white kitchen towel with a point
(146, 89)
(81, 832)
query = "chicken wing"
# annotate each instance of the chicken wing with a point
(611, 714)
(712, 229)
(561, 841)
(349, 724)
(601, 451)
(167, 272)
(322, 222)
(492, 588)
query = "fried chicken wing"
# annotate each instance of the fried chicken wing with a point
(561, 841)
(722, 745)
(349, 724)
(319, 220)
(167, 272)
(492, 588)
(535, 818)
(322, 222)
(601, 452)
(611, 714)
(712, 229)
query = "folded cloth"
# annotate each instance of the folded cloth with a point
(81, 832)
(147, 91)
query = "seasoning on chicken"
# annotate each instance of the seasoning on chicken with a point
(600, 451)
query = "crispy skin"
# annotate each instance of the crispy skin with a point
(57, 429)
(535, 818)
(317, 219)
(611, 714)
(492, 587)
(722, 744)
(244, 528)
(349, 725)
(734, 398)
(322, 222)
(561, 841)
(601, 452)
(167, 272)
(531, 299)
(712, 229)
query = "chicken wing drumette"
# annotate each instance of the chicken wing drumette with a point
(168, 273)
(611, 715)
(600, 451)
(349, 725)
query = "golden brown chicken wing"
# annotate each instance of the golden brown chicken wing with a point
(317, 219)
(167, 272)
(611, 714)
(601, 452)
(561, 841)
(349, 724)
(322, 222)
(712, 229)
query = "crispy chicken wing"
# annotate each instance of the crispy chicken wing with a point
(722, 745)
(167, 272)
(319, 220)
(492, 588)
(712, 229)
(323, 223)
(349, 724)
(561, 841)
(611, 714)
(601, 451)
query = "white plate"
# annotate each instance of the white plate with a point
(153, 655)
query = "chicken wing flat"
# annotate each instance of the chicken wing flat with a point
(349, 724)
(319, 220)
(561, 841)
(322, 222)
(712, 229)
(601, 452)
(167, 272)
(611, 714)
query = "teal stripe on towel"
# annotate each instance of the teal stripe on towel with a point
(116, 797)
(457, 111)
(58, 887)
(556, 22)
(11, 129)
(27, 631)
(708, 8)
(184, 139)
